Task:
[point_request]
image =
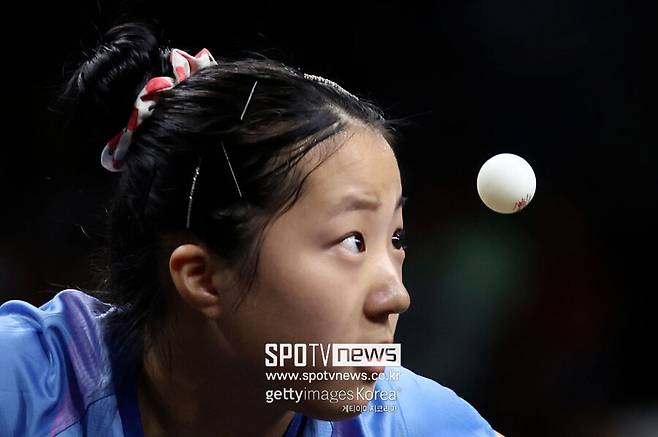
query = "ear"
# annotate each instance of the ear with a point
(192, 270)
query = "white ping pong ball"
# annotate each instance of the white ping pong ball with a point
(506, 183)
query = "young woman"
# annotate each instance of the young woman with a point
(255, 205)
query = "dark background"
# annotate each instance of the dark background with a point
(543, 320)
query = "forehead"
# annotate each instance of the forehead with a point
(361, 163)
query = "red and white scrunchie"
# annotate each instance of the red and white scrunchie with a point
(184, 66)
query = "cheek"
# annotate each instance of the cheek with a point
(308, 296)
(303, 292)
(294, 301)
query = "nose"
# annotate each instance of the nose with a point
(388, 294)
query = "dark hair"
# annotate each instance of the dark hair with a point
(288, 115)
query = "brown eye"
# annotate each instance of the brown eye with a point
(399, 239)
(354, 242)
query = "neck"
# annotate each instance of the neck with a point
(201, 394)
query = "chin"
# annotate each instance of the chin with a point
(324, 410)
(346, 402)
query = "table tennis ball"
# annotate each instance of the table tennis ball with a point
(506, 183)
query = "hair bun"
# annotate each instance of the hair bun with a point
(104, 87)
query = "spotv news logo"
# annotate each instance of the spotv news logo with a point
(339, 354)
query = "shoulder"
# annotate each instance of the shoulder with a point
(53, 363)
(70, 320)
(409, 405)
(428, 408)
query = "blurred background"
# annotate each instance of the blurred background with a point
(543, 320)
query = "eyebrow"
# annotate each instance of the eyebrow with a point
(353, 202)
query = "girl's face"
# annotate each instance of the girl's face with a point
(330, 268)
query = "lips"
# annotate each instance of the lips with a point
(374, 369)
(386, 341)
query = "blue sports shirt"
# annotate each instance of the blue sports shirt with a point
(58, 378)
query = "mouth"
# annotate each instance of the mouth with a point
(373, 370)
(385, 341)
(380, 369)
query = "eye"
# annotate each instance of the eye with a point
(354, 242)
(399, 239)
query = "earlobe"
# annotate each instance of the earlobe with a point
(192, 270)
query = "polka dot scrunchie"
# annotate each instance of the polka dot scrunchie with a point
(184, 66)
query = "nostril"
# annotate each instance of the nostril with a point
(380, 318)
